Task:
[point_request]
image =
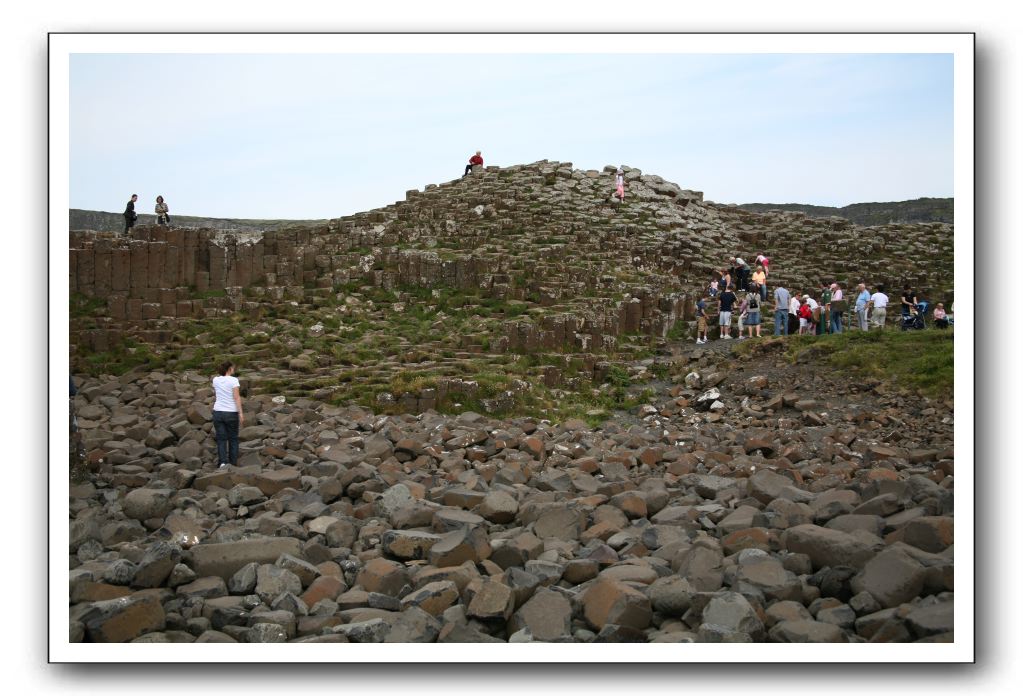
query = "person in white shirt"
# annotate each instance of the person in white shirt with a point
(879, 304)
(227, 414)
(794, 313)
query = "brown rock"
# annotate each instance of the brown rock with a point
(515, 552)
(323, 587)
(806, 631)
(611, 602)
(559, 522)
(934, 534)
(383, 576)
(225, 559)
(454, 548)
(827, 547)
(120, 620)
(493, 601)
(274, 481)
(633, 504)
(433, 598)
(547, 615)
(408, 545)
(892, 578)
(498, 507)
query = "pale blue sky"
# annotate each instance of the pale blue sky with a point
(317, 136)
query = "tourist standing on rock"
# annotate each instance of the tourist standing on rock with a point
(760, 280)
(825, 318)
(130, 216)
(701, 322)
(908, 300)
(728, 300)
(162, 218)
(227, 414)
(753, 310)
(794, 305)
(879, 305)
(475, 160)
(726, 278)
(741, 275)
(837, 308)
(620, 184)
(862, 298)
(781, 311)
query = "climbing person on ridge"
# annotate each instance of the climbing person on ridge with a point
(760, 280)
(162, 218)
(620, 184)
(475, 160)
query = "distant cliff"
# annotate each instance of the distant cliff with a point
(867, 214)
(114, 222)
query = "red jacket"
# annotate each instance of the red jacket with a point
(805, 312)
(475, 159)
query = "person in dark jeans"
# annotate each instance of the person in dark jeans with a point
(474, 161)
(227, 414)
(130, 216)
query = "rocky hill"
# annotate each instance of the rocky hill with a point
(528, 275)
(917, 210)
(477, 415)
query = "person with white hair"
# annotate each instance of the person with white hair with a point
(862, 299)
(475, 160)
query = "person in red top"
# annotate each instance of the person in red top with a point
(473, 161)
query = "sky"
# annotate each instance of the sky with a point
(320, 136)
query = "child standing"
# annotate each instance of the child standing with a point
(805, 316)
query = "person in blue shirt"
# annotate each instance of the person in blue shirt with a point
(862, 299)
(781, 311)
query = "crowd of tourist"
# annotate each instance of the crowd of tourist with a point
(741, 292)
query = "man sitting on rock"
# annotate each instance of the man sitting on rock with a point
(476, 159)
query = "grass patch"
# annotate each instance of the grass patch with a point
(85, 306)
(912, 360)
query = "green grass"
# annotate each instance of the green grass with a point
(84, 306)
(911, 360)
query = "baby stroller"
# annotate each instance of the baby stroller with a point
(914, 321)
